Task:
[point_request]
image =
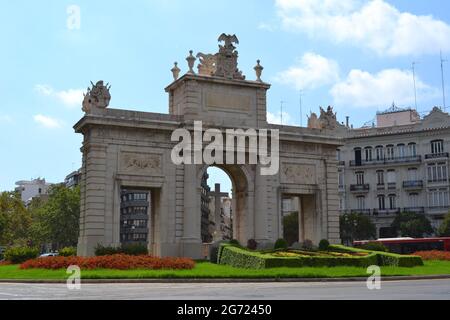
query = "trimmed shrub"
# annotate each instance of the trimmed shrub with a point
(235, 242)
(252, 244)
(20, 254)
(241, 258)
(214, 251)
(324, 245)
(106, 251)
(374, 246)
(68, 252)
(134, 250)
(129, 249)
(281, 244)
(308, 245)
(118, 262)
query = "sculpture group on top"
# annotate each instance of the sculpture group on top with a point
(327, 120)
(98, 96)
(223, 64)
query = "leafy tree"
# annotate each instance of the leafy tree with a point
(15, 220)
(356, 226)
(444, 229)
(290, 226)
(410, 224)
(56, 220)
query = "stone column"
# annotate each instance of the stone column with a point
(261, 207)
(93, 204)
(191, 241)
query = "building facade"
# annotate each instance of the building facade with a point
(207, 222)
(32, 189)
(73, 179)
(400, 164)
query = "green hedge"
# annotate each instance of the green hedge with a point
(68, 252)
(17, 255)
(241, 258)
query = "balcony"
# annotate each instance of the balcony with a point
(341, 188)
(387, 161)
(439, 210)
(443, 155)
(386, 212)
(341, 163)
(392, 186)
(414, 210)
(366, 212)
(360, 188)
(381, 186)
(413, 185)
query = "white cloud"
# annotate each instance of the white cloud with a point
(275, 118)
(266, 27)
(48, 122)
(311, 71)
(70, 98)
(363, 89)
(6, 119)
(373, 24)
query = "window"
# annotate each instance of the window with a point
(392, 202)
(361, 201)
(390, 152)
(360, 178)
(338, 155)
(412, 149)
(381, 202)
(368, 152)
(401, 151)
(380, 153)
(437, 146)
(358, 157)
(438, 198)
(341, 204)
(413, 174)
(391, 176)
(341, 179)
(414, 200)
(380, 177)
(437, 172)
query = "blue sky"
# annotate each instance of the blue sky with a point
(353, 54)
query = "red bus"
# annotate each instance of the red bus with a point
(411, 245)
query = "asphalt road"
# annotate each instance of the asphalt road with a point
(410, 290)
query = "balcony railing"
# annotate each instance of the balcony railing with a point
(341, 163)
(387, 212)
(385, 161)
(437, 155)
(392, 186)
(360, 188)
(413, 184)
(362, 211)
(414, 209)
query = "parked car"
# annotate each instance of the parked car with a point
(50, 254)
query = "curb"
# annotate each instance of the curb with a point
(205, 281)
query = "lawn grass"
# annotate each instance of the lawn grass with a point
(206, 270)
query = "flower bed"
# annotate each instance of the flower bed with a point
(434, 255)
(119, 262)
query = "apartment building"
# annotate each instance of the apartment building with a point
(399, 164)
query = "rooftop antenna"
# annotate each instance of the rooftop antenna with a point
(443, 83)
(301, 108)
(281, 111)
(414, 78)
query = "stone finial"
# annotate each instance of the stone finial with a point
(258, 69)
(97, 97)
(175, 71)
(191, 61)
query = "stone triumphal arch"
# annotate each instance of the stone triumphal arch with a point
(132, 191)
